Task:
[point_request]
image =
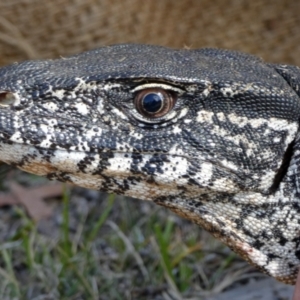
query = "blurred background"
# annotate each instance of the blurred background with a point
(46, 29)
(58, 242)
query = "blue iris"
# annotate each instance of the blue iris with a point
(152, 102)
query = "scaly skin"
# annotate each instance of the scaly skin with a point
(226, 156)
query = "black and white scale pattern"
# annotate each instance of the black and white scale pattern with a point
(226, 156)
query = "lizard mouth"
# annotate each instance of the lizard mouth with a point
(161, 168)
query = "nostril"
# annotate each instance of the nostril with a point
(7, 98)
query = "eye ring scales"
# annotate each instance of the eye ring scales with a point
(154, 102)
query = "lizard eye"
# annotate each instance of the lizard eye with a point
(154, 102)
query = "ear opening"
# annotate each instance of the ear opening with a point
(286, 162)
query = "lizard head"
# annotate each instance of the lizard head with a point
(210, 134)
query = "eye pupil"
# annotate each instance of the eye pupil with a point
(152, 102)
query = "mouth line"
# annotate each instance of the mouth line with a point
(31, 147)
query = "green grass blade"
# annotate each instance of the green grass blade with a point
(163, 243)
(102, 219)
(10, 271)
(67, 245)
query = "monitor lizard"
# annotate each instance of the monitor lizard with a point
(211, 134)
